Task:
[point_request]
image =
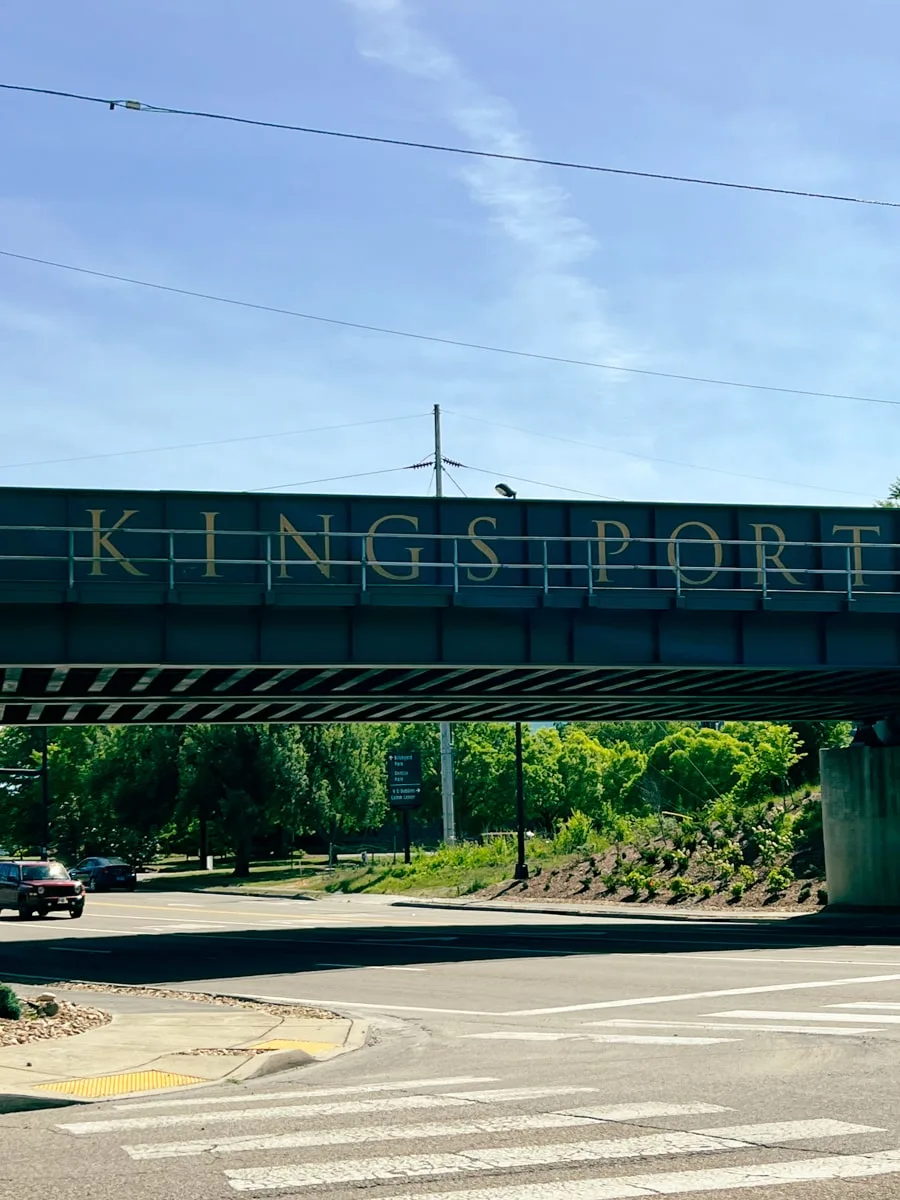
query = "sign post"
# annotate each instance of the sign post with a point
(404, 771)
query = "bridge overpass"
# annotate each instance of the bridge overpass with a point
(135, 607)
(151, 606)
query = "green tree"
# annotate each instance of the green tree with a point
(892, 499)
(251, 778)
(583, 769)
(695, 766)
(640, 735)
(623, 779)
(775, 750)
(346, 769)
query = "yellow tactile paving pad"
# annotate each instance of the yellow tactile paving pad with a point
(101, 1086)
(288, 1044)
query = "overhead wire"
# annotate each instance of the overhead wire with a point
(558, 487)
(252, 437)
(275, 487)
(436, 339)
(672, 462)
(443, 148)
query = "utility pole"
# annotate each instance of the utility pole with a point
(446, 731)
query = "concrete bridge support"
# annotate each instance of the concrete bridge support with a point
(861, 825)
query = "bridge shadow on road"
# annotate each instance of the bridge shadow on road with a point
(156, 958)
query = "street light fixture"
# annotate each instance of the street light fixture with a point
(521, 872)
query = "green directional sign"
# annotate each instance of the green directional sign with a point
(404, 770)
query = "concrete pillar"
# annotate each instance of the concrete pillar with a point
(861, 825)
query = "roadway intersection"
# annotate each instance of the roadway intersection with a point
(515, 1056)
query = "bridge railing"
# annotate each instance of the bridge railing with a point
(74, 555)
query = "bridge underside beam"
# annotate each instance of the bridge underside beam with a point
(149, 693)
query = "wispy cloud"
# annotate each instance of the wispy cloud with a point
(549, 299)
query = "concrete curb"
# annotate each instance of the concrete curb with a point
(825, 921)
(148, 1055)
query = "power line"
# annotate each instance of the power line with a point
(533, 160)
(443, 341)
(275, 487)
(557, 487)
(672, 462)
(253, 437)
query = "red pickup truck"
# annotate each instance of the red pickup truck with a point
(39, 888)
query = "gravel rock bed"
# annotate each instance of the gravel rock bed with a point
(298, 1011)
(33, 1027)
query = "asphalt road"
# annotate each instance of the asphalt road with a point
(515, 1056)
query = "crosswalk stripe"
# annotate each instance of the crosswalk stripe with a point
(639, 1039)
(514, 1157)
(634, 1039)
(680, 1183)
(378, 1133)
(819, 1031)
(403, 1085)
(866, 1004)
(340, 1109)
(753, 1014)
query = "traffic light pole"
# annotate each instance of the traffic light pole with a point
(42, 772)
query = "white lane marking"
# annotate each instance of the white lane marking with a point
(304, 1111)
(752, 1014)
(379, 1133)
(75, 950)
(403, 1085)
(726, 958)
(866, 1004)
(615, 1038)
(523, 1036)
(699, 1141)
(385, 1007)
(711, 995)
(636, 1039)
(344, 966)
(680, 1183)
(715, 1025)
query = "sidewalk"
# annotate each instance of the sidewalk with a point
(147, 1051)
(828, 920)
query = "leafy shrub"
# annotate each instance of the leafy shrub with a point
(706, 890)
(575, 834)
(652, 886)
(804, 893)
(10, 1008)
(747, 875)
(668, 859)
(778, 880)
(612, 882)
(682, 860)
(635, 881)
(650, 854)
(822, 896)
(737, 889)
(681, 886)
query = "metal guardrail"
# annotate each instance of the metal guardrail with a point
(544, 564)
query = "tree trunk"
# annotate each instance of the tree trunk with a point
(242, 860)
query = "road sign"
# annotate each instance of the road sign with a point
(404, 770)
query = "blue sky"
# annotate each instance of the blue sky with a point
(661, 276)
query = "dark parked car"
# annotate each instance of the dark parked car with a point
(39, 888)
(104, 874)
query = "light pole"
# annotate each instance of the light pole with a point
(521, 865)
(521, 871)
